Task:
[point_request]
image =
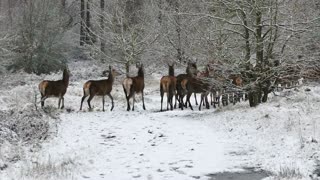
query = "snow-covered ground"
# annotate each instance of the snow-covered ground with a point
(276, 136)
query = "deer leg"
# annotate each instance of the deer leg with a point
(161, 94)
(62, 98)
(204, 102)
(59, 102)
(112, 103)
(181, 104)
(201, 100)
(171, 99)
(207, 102)
(175, 102)
(144, 107)
(128, 104)
(133, 100)
(82, 99)
(42, 101)
(90, 98)
(195, 98)
(168, 100)
(216, 101)
(188, 101)
(180, 101)
(127, 98)
(103, 103)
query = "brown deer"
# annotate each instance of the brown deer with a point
(133, 85)
(215, 98)
(203, 74)
(99, 88)
(195, 85)
(236, 80)
(168, 85)
(191, 71)
(55, 88)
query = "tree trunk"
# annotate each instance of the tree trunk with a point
(102, 41)
(259, 41)
(253, 97)
(88, 24)
(247, 39)
(274, 32)
(127, 68)
(82, 28)
(178, 30)
(266, 90)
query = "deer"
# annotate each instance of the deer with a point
(215, 98)
(236, 80)
(55, 89)
(133, 85)
(99, 88)
(203, 74)
(191, 70)
(168, 85)
(196, 85)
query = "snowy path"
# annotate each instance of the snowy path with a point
(175, 144)
(143, 145)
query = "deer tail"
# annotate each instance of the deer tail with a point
(86, 88)
(165, 86)
(42, 87)
(184, 84)
(127, 85)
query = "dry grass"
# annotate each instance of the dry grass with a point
(48, 170)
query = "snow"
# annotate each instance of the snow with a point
(174, 144)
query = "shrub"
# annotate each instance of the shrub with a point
(38, 45)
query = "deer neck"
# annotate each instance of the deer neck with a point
(140, 73)
(171, 72)
(111, 77)
(65, 79)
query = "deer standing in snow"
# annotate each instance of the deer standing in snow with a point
(54, 89)
(99, 88)
(133, 85)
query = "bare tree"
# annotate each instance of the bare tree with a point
(82, 25)
(102, 41)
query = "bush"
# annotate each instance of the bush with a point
(38, 46)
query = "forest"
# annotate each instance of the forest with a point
(115, 52)
(266, 42)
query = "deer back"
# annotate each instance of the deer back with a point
(197, 85)
(168, 83)
(52, 88)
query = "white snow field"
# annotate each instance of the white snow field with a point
(280, 137)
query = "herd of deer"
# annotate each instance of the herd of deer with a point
(174, 86)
